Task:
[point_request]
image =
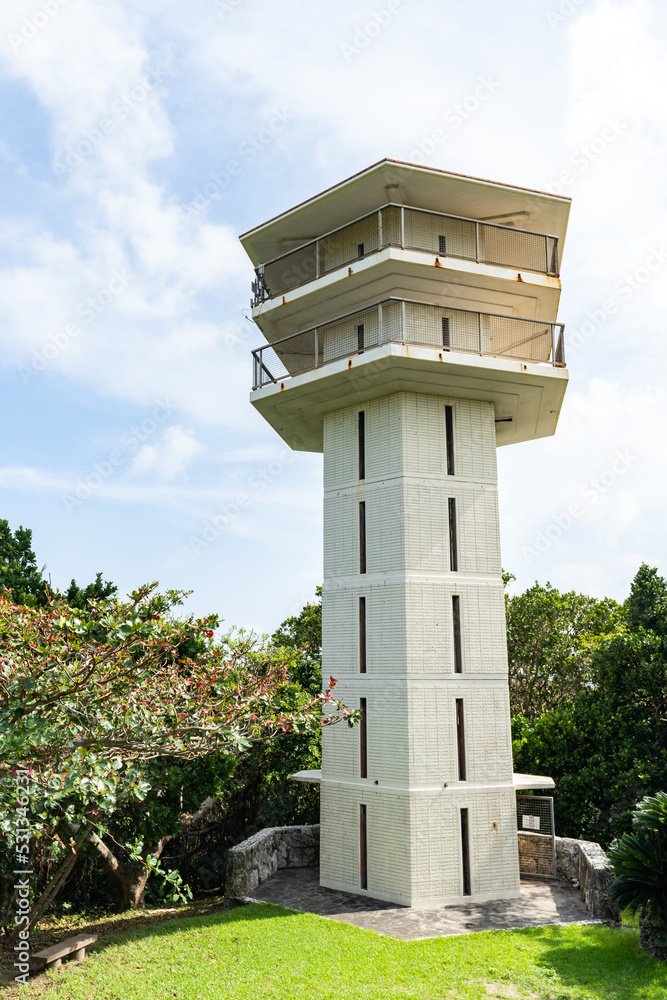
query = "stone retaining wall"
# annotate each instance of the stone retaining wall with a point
(262, 855)
(582, 863)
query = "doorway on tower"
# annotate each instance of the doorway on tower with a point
(537, 836)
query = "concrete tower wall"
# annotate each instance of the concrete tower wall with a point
(413, 793)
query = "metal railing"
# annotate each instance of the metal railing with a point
(403, 321)
(410, 229)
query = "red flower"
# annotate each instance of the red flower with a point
(209, 634)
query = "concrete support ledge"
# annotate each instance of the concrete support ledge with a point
(262, 855)
(585, 864)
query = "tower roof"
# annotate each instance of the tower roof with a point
(395, 181)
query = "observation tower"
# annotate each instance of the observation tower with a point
(410, 320)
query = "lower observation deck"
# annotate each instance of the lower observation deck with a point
(399, 345)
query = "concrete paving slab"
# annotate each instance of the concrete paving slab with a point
(540, 904)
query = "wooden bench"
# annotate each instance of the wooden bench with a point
(73, 948)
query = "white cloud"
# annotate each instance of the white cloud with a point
(168, 458)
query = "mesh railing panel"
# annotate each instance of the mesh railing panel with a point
(414, 229)
(536, 833)
(516, 338)
(413, 323)
(294, 269)
(350, 335)
(289, 357)
(436, 326)
(391, 226)
(511, 248)
(438, 234)
(349, 244)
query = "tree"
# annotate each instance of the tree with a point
(19, 572)
(20, 575)
(98, 590)
(607, 747)
(303, 632)
(550, 637)
(639, 860)
(93, 701)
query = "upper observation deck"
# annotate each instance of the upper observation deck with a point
(406, 278)
(414, 232)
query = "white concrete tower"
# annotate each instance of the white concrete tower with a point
(410, 319)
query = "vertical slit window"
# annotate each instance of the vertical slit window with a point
(453, 541)
(449, 439)
(360, 249)
(465, 851)
(362, 445)
(460, 739)
(442, 245)
(362, 536)
(363, 860)
(445, 332)
(362, 635)
(360, 337)
(363, 740)
(456, 622)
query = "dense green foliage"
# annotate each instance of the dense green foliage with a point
(606, 747)
(20, 574)
(303, 632)
(264, 951)
(131, 721)
(550, 637)
(639, 859)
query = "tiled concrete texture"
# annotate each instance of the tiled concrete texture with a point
(541, 903)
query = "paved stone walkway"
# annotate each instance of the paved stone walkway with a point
(541, 903)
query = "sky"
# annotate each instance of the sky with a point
(125, 335)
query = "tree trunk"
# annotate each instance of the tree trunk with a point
(130, 878)
(653, 932)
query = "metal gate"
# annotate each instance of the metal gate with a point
(537, 840)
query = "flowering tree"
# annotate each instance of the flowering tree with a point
(91, 699)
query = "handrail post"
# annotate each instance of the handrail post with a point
(553, 343)
(317, 346)
(317, 258)
(546, 250)
(402, 321)
(402, 227)
(477, 242)
(379, 323)
(380, 244)
(479, 324)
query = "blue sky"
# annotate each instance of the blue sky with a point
(124, 338)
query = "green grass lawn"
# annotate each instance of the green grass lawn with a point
(263, 951)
